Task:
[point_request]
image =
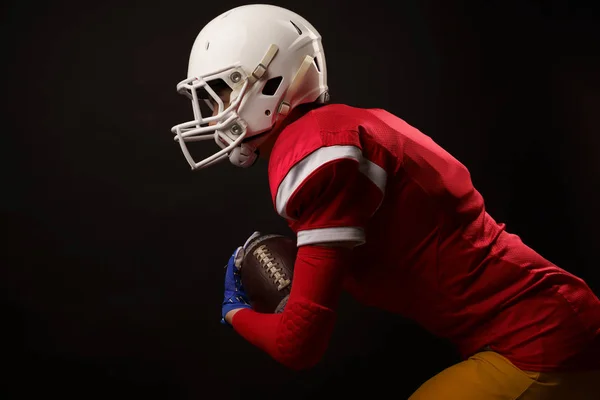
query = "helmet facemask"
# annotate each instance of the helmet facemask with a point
(225, 126)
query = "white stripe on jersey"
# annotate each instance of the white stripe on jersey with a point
(329, 235)
(299, 172)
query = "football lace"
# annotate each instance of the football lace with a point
(267, 261)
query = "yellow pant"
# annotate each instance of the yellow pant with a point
(488, 375)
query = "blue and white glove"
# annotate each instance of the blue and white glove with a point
(235, 296)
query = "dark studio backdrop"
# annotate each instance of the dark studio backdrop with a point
(112, 270)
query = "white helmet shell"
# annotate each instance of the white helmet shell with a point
(246, 48)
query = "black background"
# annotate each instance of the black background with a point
(113, 249)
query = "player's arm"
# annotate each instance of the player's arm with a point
(342, 245)
(329, 204)
(323, 281)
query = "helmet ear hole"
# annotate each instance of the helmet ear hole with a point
(271, 86)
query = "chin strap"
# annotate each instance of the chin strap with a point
(243, 156)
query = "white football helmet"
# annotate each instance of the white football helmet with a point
(269, 59)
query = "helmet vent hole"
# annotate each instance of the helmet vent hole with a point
(271, 86)
(317, 64)
(297, 29)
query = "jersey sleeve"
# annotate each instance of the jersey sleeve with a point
(300, 335)
(330, 195)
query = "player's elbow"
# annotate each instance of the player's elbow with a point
(304, 335)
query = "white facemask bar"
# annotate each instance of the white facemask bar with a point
(194, 127)
(193, 131)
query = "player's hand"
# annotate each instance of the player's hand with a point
(235, 296)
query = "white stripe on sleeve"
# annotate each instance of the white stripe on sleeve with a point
(299, 172)
(328, 235)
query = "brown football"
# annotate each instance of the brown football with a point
(267, 272)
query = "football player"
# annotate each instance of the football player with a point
(383, 212)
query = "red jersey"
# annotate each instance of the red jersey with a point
(425, 246)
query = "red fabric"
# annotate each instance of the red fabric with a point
(335, 195)
(299, 336)
(432, 252)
